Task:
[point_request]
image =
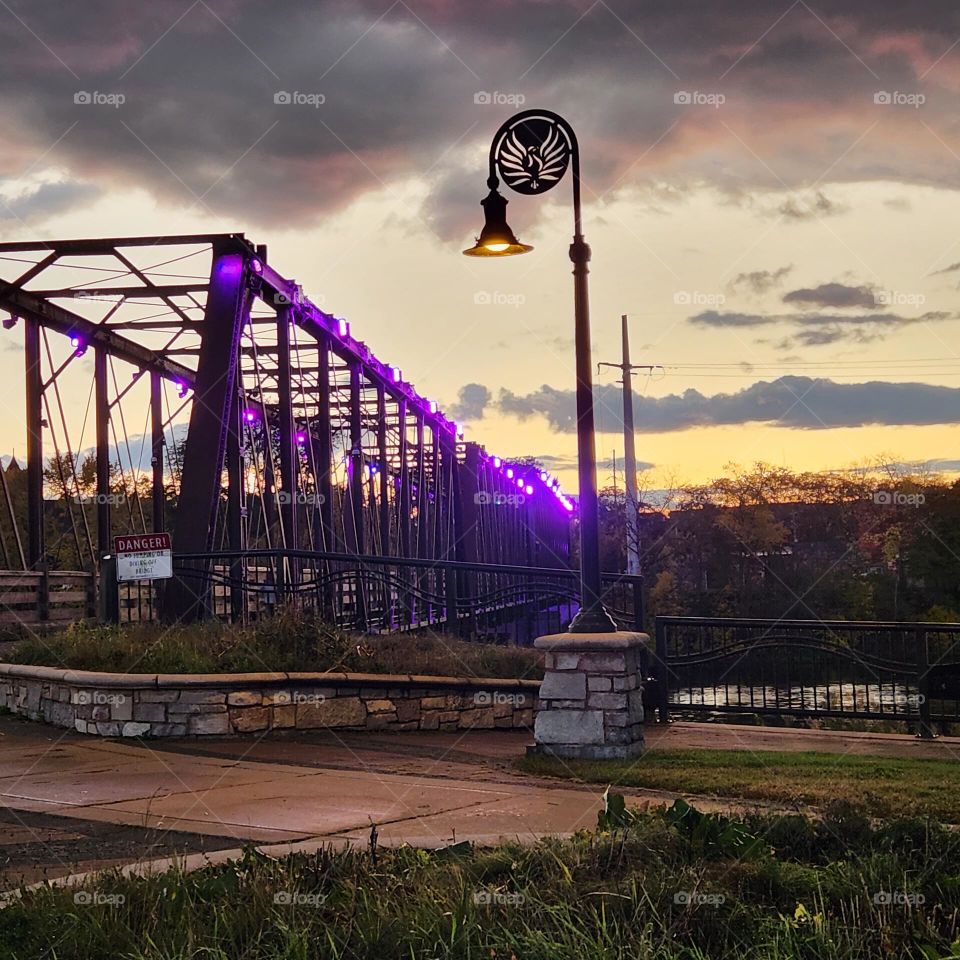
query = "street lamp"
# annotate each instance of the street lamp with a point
(531, 153)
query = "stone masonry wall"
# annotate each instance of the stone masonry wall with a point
(143, 705)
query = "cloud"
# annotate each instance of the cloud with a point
(800, 403)
(199, 127)
(809, 208)
(46, 199)
(953, 268)
(838, 295)
(472, 400)
(759, 281)
(557, 463)
(820, 329)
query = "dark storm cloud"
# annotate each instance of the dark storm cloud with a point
(199, 127)
(472, 400)
(820, 329)
(795, 402)
(838, 295)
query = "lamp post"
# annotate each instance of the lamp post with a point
(531, 153)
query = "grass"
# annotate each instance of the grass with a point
(883, 787)
(286, 642)
(839, 889)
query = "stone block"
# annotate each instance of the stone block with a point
(569, 727)
(158, 696)
(244, 698)
(480, 719)
(564, 686)
(134, 729)
(108, 729)
(566, 661)
(433, 703)
(122, 710)
(284, 716)
(100, 713)
(450, 716)
(381, 721)
(408, 710)
(430, 721)
(249, 719)
(150, 712)
(168, 729)
(630, 682)
(209, 724)
(380, 706)
(601, 684)
(410, 725)
(203, 696)
(608, 701)
(339, 712)
(603, 663)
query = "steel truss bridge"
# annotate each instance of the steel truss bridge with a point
(182, 384)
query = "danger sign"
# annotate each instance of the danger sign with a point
(146, 556)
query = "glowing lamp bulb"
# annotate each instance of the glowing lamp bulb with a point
(520, 482)
(249, 415)
(395, 374)
(343, 328)
(528, 490)
(433, 406)
(301, 438)
(497, 462)
(509, 473)
(497, 247)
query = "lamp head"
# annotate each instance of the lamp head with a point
(496, 238)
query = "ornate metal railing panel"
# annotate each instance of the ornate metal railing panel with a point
(866, 670)
(388, 594)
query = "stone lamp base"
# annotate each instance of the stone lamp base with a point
(591, 699)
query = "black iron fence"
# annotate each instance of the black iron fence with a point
(865, 670)
(512, 604)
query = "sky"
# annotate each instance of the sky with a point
(771, 197)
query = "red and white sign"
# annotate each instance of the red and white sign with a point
(143, 556)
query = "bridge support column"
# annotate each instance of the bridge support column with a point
(591, 698)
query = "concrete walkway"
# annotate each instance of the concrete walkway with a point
(68, 802)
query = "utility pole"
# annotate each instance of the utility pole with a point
(629, 450)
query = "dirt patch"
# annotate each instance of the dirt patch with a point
(42, 846)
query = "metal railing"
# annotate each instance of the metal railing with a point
(834, 668)
(512, 604)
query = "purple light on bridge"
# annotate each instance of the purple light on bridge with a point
(301, 438)
(509, 473)
(79, 345)
(181, 388)
(343, 328)
(256, 266)
(528, 490)
(249, 415)
(395, 374)
(497, 462)
(520, 482)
